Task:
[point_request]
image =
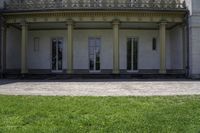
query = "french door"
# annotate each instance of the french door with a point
(132, 54)
(57, 54)
(94, 54)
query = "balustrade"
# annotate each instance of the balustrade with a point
(95, 4)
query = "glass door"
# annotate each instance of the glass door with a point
(57, 54)
(94, 54)
(132, 54)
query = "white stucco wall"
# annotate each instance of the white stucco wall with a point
(195, 51)
(148, 59)
(81, 58)
(42, 58)
(13, 49)
(194, 39)
(176, 47)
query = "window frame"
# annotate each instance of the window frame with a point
(36, 45)
(133, 38)
(154, 44)
(95, 38)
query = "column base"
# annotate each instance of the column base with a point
(116, 72)
(163, 71)
(70, 71)
(24, 72)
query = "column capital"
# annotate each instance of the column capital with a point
(4, 25)
(116, 22)
(70, 22)
(3, 20)
(183, 24)
(163, 22)
(24, 23)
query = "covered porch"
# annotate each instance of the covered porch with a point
(94, 37)
(95, 43)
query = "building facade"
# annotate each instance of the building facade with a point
(100, 37)
(194, 40)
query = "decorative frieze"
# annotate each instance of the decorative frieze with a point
(96, 16)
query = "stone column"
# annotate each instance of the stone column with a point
(24, 43)
(163, 48)
(116, 69)
(70, 47)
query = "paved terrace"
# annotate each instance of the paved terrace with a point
(100, 87)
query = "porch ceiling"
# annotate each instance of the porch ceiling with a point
(96, 25)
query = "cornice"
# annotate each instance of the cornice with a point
(96, 16)
(95, 13)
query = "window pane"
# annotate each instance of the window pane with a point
(91, 50)
(154, 41)
(129, 49)
(91, 42)
(36, 44)
(91, 53)
(54, 54)
(94, 53)
(97, 58)
(135, 54)
(60, 56)
(91, 62)
(98, 42)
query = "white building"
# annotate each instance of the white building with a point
(100, 37)
(194, 38)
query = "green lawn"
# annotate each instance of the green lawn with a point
(19, 114)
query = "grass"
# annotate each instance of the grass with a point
(29, 114)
